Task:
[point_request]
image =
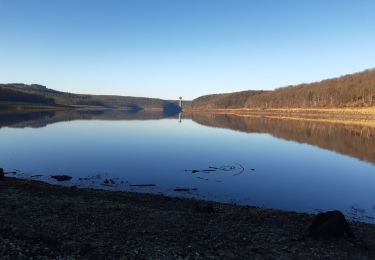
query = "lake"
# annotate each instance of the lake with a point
(283, 164)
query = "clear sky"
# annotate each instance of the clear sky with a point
(188, 48)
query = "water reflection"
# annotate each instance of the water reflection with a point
(353, 140)
(130, 150)
(36, 119)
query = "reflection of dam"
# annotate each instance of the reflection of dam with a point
(353, 140)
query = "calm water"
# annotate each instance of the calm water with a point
(254, 161)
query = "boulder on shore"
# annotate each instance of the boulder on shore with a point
(61, 177)
(330, 224)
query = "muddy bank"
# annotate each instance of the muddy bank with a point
(47, 221)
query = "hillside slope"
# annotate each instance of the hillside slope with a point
(40, 95)
(354, 90)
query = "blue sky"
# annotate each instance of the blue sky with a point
(171, 48)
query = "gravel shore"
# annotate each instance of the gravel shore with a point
(44, 221)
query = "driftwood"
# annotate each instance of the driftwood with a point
(143, 185)
(224, 168)
(185, 189)
(227, 168)
(208, 171)
(242, 169)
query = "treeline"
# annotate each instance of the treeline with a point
(40, 94)
(9, 95)
(354, 90)
(225, 101)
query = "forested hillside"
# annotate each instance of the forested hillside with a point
(228, 100)
(40, 95)
(10, 95)
(354, 90)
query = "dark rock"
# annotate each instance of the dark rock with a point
(109, 182)
(192, 171)
(36, 176)
(12, 172)
(61, 177)
(185, 189)
(143, 185)
(330, 224)
(1, 173)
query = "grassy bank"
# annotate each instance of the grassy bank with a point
(351, 116)
(46, 221)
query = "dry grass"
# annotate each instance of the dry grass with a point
(350, 116)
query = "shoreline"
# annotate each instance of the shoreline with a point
(346, 116)
(45, 220)
(363, 116)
